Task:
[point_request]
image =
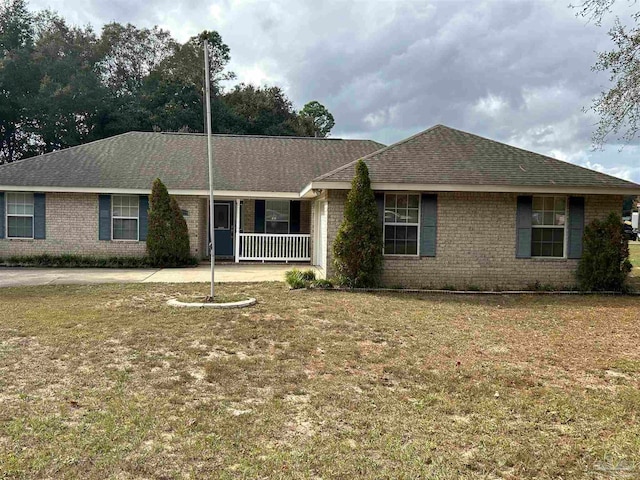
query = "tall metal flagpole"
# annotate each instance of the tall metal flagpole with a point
(210, 154)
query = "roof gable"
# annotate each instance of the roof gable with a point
(442, 155)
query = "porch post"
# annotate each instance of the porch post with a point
(237, 222)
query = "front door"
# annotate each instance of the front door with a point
(223, 228)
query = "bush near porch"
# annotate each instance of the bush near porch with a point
(108, 381)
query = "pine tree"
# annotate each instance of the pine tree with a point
(358, 245)
(168, 236)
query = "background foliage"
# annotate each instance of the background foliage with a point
(63, 85)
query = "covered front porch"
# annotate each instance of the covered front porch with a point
(266, 230)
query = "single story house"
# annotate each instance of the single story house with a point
(455, 208)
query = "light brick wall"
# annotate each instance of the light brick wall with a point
(475, 245)
(72, 227)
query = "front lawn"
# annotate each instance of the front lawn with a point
(108, 382)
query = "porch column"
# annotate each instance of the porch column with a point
(237, 222)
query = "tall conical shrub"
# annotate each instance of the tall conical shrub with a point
(358, 245)
(168, 236)
(605, 258)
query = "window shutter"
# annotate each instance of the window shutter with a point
(380, 205)
(524, 213)
(143, 218)
(428, 225)
(104, 217)
(294, 216)
(39, 216)
(259, 217)
(576, 226)
(3, 217)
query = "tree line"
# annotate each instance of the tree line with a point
(62, 85)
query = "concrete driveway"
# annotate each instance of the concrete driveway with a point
(15, 277)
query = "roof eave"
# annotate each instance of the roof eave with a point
(576, 190)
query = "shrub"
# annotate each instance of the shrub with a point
(358, 244)
(168, 236)
(322, 283)
(70, 260)
(605, 258)
(295, 279)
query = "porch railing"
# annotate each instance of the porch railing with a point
(274, 247)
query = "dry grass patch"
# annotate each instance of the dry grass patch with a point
(109, 382)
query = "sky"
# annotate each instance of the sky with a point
(514, 71)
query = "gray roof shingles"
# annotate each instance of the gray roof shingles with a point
(445, 156)
(242, 163)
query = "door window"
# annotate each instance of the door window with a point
(221, 216)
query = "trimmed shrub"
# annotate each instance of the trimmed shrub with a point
(605, 258)
(358, 245)
(168, 236)
(71, 261)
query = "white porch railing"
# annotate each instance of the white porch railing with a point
(274, 247)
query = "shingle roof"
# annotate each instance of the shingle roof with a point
(242, 163)
(445, 156)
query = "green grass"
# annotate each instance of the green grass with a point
(109, 382)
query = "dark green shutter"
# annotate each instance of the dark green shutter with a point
(143, 216)
(39, 216)
(259, 216)
(524, 213)
(428, 225)
(104, 217)
(2, 215)
(380, 205)
(294, 216)
(576, 226)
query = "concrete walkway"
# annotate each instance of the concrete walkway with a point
(15, 277)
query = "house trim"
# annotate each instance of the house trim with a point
(311, 189)
(232, 194)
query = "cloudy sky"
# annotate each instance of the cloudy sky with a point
(515, 71)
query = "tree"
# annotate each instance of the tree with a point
(605, 258)
(18, 77)
(321, 119)
(358, 245)
(185, 65)
(618, 107)
(129, 54)
(263, 111)
(168, 236)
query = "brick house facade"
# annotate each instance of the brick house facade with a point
(456, 209)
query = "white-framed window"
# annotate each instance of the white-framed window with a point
(19, 208)
(125, 212)
(401, 223)
(548, 222)
(276, 216)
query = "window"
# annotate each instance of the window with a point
(276, 216)
(125, 211)
(19, 215)
(401, 220)
(548, 226)
(221, 216)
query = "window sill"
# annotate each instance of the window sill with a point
(409, 255)
(550, 259)
(19, 239)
